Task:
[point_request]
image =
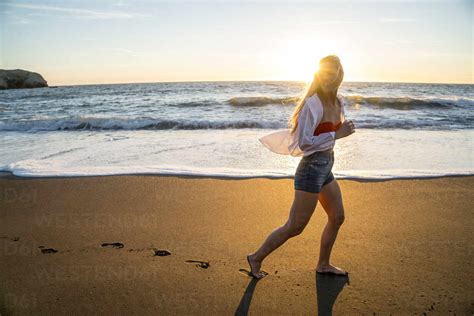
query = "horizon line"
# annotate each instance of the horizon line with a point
(260, 80)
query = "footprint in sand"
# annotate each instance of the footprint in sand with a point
(47, 250)
(116, 245)
(160, 252)
(11, 238)
(200, 264)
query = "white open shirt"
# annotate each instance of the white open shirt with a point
(303, 142)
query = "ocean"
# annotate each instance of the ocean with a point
(402, 130)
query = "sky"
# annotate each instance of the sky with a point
(112, 41)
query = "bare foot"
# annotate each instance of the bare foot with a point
(255, 267)
(330, 269)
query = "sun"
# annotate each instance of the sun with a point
(299, 59)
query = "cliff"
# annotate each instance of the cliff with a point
(20, 79)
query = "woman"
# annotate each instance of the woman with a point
(316, 123)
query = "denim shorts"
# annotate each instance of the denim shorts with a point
(314, 171)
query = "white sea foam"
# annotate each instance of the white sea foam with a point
(366, 154)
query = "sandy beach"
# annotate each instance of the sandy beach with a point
(95, 245)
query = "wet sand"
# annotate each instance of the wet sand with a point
(177, 245)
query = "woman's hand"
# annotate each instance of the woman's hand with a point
(346, 129)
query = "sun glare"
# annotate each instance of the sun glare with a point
(299, 59)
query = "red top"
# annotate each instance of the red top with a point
(325, 127)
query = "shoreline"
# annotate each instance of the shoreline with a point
(8, 175)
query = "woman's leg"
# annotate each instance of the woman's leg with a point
(301, 210)
(331, 200)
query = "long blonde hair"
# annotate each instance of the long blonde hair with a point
(313, 88)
